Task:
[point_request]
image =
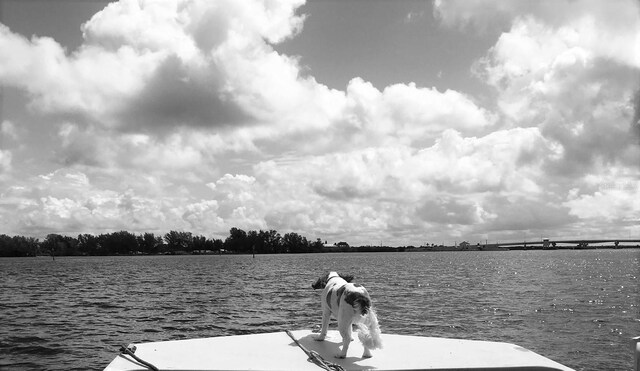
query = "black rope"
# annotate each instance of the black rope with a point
(315, 357)
(126, 350)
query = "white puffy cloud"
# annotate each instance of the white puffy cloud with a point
(375, 192)
(91, 82)
(181, 115)
(615, 202)
(580, 98)
(610, 28)
(570, 69)
(211, 51)
(151, 63)
(73, 202)
(408, 115)
(153, 66)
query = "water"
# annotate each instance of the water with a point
(579, 308)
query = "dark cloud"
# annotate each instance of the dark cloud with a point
(180, 95)
(342, 191)
(581, 117)
(448, 211)
(524, 214)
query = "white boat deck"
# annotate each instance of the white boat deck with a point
(277, 351)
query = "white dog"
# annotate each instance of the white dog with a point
(350, 304)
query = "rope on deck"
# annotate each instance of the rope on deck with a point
(315, 357)
(129, 351)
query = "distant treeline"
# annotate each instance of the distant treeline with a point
(174, 242)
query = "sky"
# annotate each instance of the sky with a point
(367, 121)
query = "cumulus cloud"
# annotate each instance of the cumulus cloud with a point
(580, 99)
(192, 63)
(181, 115)
(154, 61)
(398, 188)
(58, 83)
(67, 201)
(611, 28)
(567, 68)
(408, 114)
(615, 202)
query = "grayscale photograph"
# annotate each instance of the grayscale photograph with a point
(303, 185)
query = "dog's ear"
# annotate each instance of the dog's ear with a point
(321, 282)
(346, 277)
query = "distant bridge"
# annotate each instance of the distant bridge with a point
(551, 244)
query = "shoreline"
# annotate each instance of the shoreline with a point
(363, 249)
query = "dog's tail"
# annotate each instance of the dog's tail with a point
(369, 331)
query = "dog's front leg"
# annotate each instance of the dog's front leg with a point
(326, 316)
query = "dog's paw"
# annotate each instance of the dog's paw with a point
(319, 337)
(340, 356)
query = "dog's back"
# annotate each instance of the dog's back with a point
(358, 297)
(332, 294)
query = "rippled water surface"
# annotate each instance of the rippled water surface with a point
(579, 308)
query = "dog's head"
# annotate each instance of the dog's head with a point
(321, 282)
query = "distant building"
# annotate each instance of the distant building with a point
(336, 247)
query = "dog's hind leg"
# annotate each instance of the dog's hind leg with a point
(326, 316)
(345, 332)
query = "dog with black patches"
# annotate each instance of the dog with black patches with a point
(350, 304)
